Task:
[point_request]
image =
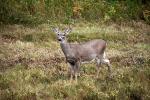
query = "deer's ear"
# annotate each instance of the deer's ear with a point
(55, 30)
(67, 31)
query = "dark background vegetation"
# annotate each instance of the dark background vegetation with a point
(32, 65)
(70, 11)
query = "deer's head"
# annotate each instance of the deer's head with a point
(61, 35)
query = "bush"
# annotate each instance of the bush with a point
(68, 11)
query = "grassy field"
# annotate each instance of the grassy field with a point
(32, 65)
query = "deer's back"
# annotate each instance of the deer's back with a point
(89, 50)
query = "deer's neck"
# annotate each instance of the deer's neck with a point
(66, 49)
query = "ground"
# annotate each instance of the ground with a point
(32, 65)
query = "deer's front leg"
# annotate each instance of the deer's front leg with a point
(71, 71)
(76, 69)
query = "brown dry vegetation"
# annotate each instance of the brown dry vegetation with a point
(32, 65)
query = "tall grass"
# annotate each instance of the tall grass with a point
(32, 66)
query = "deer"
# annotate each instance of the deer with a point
(78, 53)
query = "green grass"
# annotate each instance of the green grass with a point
(32, 65)
(42, 83)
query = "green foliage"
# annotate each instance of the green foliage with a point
(68, 11)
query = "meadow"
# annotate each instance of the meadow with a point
(32, 65)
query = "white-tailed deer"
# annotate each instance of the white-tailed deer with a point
(83, 52)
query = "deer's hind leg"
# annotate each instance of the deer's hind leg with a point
(98, 64)
(106, 61)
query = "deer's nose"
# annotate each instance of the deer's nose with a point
(59, 39)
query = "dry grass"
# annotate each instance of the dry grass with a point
(32, 65)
